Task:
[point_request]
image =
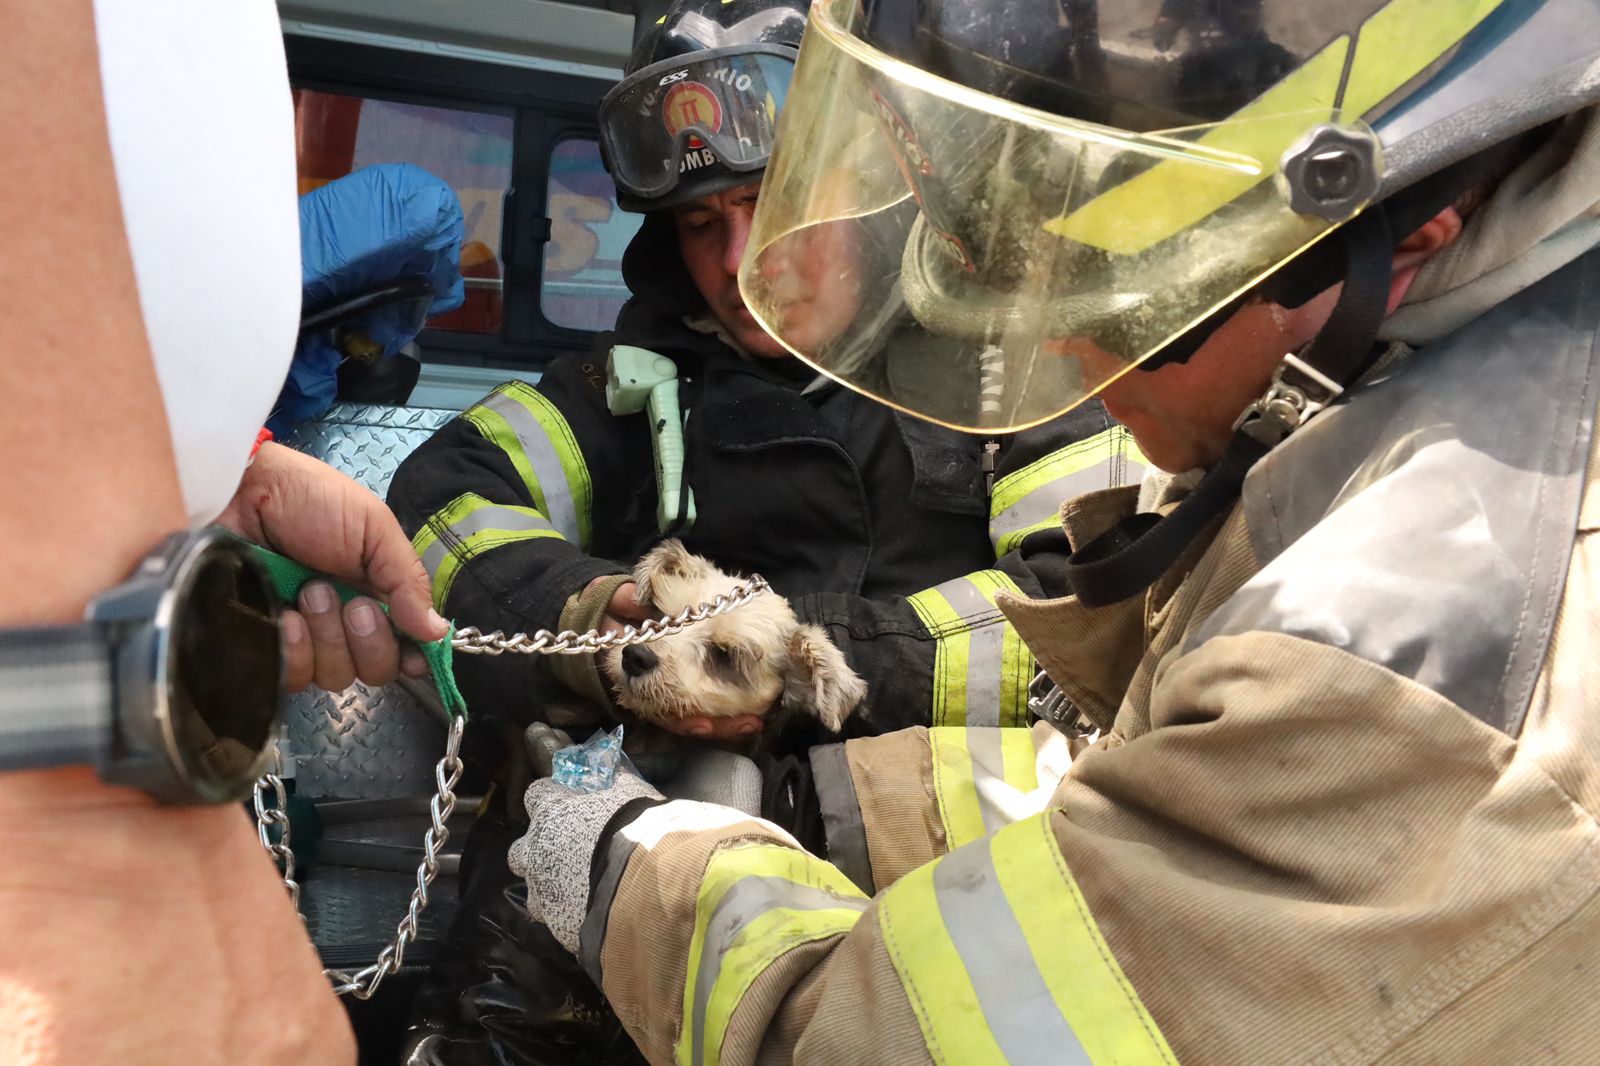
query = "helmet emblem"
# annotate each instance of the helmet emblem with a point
(688, 103)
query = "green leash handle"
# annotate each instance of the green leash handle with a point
(289, 577)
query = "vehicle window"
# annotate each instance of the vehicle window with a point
(470, 150)
(582, 285)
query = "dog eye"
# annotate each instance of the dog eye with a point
(721, 655)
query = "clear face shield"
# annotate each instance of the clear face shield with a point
(989, 266)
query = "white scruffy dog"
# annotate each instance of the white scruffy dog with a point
(746, 661)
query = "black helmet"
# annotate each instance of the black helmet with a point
(697, 110)
(1049, 178)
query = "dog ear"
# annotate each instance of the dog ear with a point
(818, 681)
(669, 559)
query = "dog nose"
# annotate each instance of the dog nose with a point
(638, 659)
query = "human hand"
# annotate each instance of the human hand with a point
(554, 855)
(304, 509)
(625, 610)
(701, 727)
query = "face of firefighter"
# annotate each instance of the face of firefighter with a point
(747, 661)
(824, 284)
(1182, 415)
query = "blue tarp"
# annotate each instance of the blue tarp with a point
(378, 225)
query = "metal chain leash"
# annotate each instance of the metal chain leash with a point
(278, 815)
(447, 772)
(475, 642)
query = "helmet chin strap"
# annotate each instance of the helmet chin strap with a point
(1127, 559)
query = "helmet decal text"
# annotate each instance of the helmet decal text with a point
(695, 158)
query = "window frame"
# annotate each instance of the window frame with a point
(546, 109)
(550, 157)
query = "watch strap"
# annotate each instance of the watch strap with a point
(56, 697)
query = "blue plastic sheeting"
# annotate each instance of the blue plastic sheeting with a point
(371, 228)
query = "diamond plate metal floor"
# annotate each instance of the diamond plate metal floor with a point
(369, 743)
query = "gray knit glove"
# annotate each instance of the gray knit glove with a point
(553, 856)
(712, 775)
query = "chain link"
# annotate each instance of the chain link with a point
(473, 641)
(277, 815)
(447, 772)
(364, 983)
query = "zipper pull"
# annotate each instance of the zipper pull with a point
(991, 452)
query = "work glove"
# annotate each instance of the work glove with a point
(555, 855)
(723, 778)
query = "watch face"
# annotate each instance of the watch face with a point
(225, 672)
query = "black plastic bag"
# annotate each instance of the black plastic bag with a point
(503, 992)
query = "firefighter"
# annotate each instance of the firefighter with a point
(893, 534)
(1341, 804)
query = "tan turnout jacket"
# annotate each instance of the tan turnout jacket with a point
(1343, 810)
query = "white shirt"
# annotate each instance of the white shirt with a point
(202, 136)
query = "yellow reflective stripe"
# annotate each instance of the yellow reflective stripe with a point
(1020, 759)
(981, 666)
(1089, 987)
(943, 623)
(1400, 40)
(1015, 486)
(468, 526)
(535, 436)
(954, 788)
(1394, 45)
(755, 903)
(933, 974)
(464, 514)
(1170, 197)
(1029, 500)
(762, 943)
(1010, 540)
(979, 776)
(1002, 962)
(1016, 661)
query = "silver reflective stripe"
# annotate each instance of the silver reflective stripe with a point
(434, 555)
(1044, 502)
(545, 461)
(985, 652)
(989, 777)
(747, 900)
(1016, 1002)
(485, 516)
(495, 517)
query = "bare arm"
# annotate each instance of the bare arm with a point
(132, 933)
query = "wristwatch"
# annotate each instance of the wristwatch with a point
(172, 684)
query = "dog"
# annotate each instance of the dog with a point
(746, 661)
